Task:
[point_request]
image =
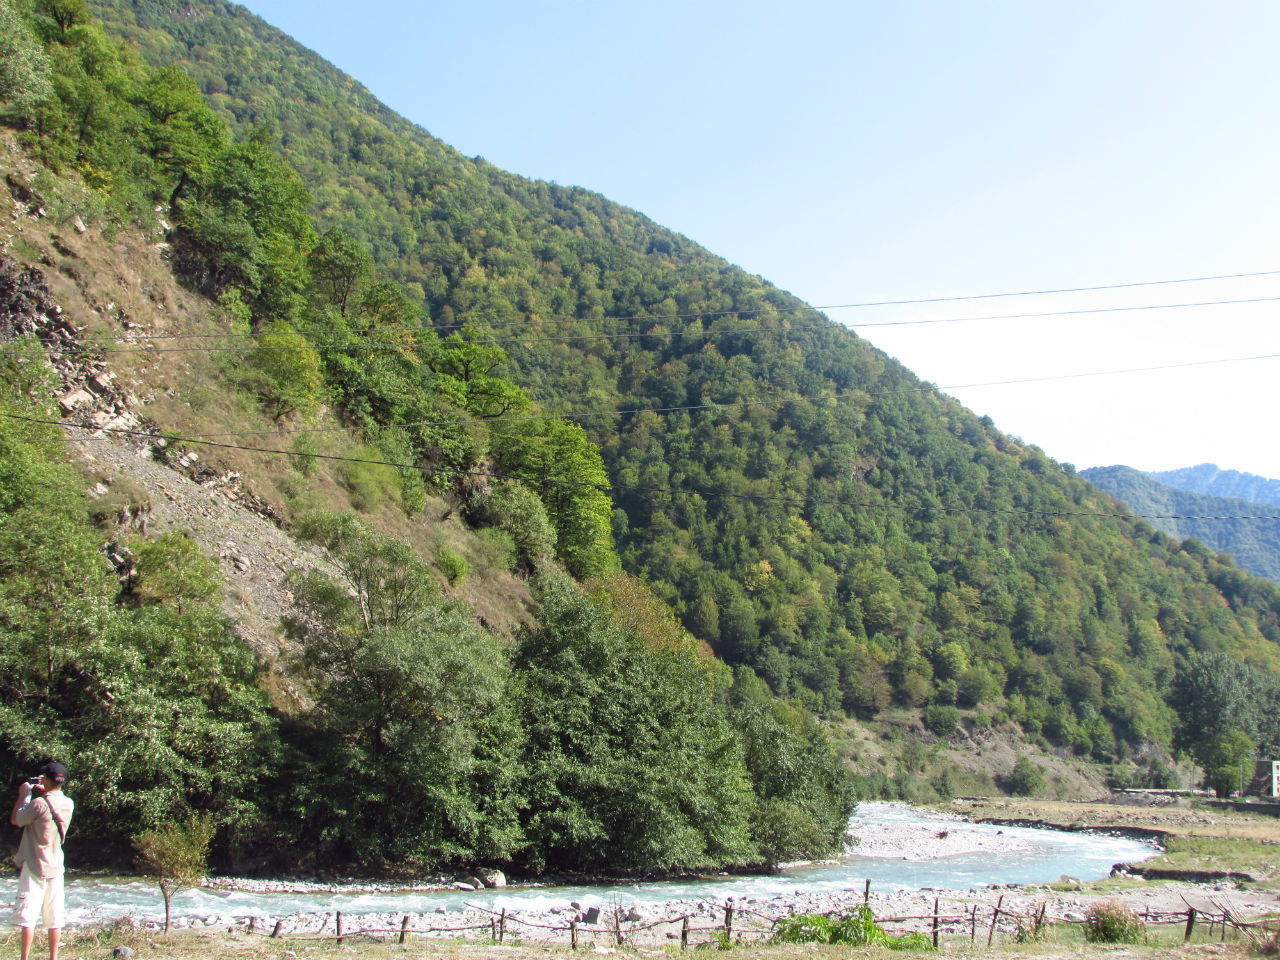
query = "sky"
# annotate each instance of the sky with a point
(855, 152)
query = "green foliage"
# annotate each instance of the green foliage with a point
(245, 224)
(411, 756)
(1183, 515)
(176, 854)
(879, 543)
(156, 702)
(555, 457)
(452, 565)
(941, 719)
(305, 447)
(516, 509)
(858, 928)
(171, 569)
(632, 765)
(339, 266)
(24, 66)
(1112, 922)
(804, 797)
(1227, 761)
(794, 534)
(288, 371)
(1027, 778)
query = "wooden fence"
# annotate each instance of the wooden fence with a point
(739, 924)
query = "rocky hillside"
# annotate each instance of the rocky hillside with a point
(97, 302)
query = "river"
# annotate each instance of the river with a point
(901, 848)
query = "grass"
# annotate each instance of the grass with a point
(1055, 941)
(1258, 858)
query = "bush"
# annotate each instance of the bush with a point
(176, 854)
(452, 566)
(305, 448)
(1027, 778)
(941, 719)
(1032, 928)
(857, 928)
(1112, 922)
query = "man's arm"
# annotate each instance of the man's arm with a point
(20, 816)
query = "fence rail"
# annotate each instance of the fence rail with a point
(742, 924)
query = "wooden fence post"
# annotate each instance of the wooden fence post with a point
(1223, 938)
(728, 921)
(866, 893)
(995, 918)
(339, 928)
(973, 924)
(493, 929)
(617, 925)
(1191, 924)
(573, 934)
(935, 923)
(502, 925)
(253, 921)
(684, 934)
(404, 928)
(276, 931)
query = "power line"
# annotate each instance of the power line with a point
(804, 308)
(738, 404)
(1063, 313)
(709, 334)
(1037, 293)
(650, 491)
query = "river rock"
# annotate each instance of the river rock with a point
(493, 878)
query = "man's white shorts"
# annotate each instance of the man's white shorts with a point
(39, 898)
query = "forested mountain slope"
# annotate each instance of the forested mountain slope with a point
(806, 505)
(1210, 479)
(378, 323)
(1224, 524)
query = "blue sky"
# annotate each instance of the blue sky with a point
(851, 152)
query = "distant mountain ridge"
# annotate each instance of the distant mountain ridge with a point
(1254, 544)
(1210, 479)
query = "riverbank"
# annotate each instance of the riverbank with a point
(1201, 842)
(916, 841)
(906, 842)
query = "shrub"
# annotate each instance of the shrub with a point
(1027, 778)
(304, 445)
(1112, 922)
(1032, 928)
(857, 928)
(941, 719)
(452, 566)
(175, 854)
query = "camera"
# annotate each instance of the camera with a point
(33, 781)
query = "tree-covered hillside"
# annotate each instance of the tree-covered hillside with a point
(807, 506)
(1211, 479)
(588, 392)
(1223, 524)
(412, 737)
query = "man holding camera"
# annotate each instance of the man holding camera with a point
(44, 813)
